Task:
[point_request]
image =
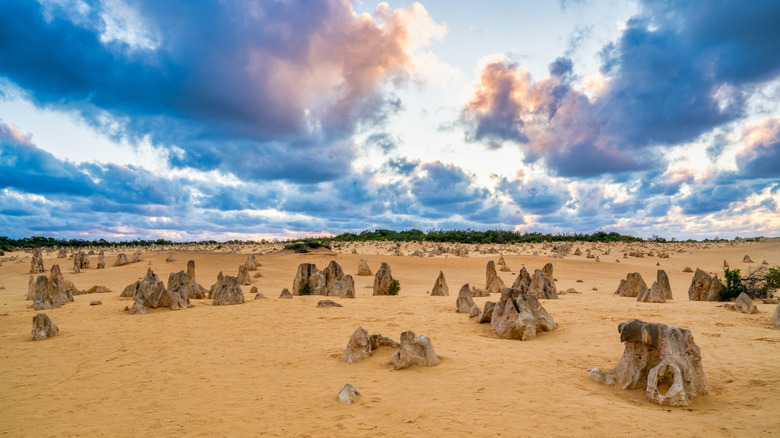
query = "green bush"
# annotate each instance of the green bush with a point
(759, 283)
(395, 287)
(733, 286)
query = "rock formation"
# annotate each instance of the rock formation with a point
(328, 303)
(361, 345)
(743, 304)
(487, 313)
(80, 261)
(348, 394)
(121, 260)
(600, 376)
(191, 269)
(151, 292)
(43, 327)
(465, 303)
(631, 286)
(659, 292)
(541, 286)
(704, 288)
(547, 270)
(440, 288)
(286, 294)
(383, 280)
(308, 280)
(657, 357)
(180, 281)
(101, 263)
(493, 283)
(523, 280)
(51, 292)
(251, 263)
(226, 291)
(363, 268)
(243, 275)
(170, 258)
(414, 350)
(337, 283)
(36, 264)
(518, 316)
(746, 259)
(136, 257)
(776, 318)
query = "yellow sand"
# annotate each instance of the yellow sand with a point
(271, 367)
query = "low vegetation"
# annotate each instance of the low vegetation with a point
(759, 283)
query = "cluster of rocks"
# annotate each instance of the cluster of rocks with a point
(331, 282)
(226, 291)
(121, 259)
(541, 284)
(517, 315)
(151, 292)
(704, 287)
(657, 357)
(413, 349)
(80, 261)
(36, 264)
(51, 292)
(743, 304)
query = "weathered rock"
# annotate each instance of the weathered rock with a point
(414, 350)
(518, 316)
(95, 303)
(259, 296)
(523, 280)
(51, 292)
(776, 318)
(704, 288)
(479, 292)
(361, 345)
(286, 294)
(541, 286)
(493, 283)
(440, 288)
(743, 304)
(101, 263)
(631, 286)
(170, 258)
(226, 291)
(191, 269)
(660, 356)
(61, 253)
(363, 268)
(251, 263)
(747, 259)
(43, 327)
(36, 264)
(309, 280)
(547, 270)
(243, 275)
(653, 295)
(93, 290)
(465, 303)
(181, 282)
(138, 309)
(121, 260)
(687, 269)
(348, 394)
(599, 376)
(328, 303)
(338, 284)
(383, 280)
(487, 313)
(136, 257)
(80, 261)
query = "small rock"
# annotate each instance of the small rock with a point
(328, 303)
(43, 327)
(95, 303)
(599, 376)
(348, 394)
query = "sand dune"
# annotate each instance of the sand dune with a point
(270, 367)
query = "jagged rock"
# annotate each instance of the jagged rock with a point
(465, 303)
(414, 350)
(493, 283)
(704, 288)
(151, 292)
(309, 280)
(36, 264)
(180, 281)
(43, 327)
(743, 304)
(80, 261)
(338, 284)
(138, 309)
(363, 268)
(518, 316)
(440, 288)
(747, 259)
(547, 270)
(776, 318)
(632, 286)
(286, 294)
(348, 394)
(659, 292)
(523, 280)
(599, 376)
(51, 292)
(657, 355)
(243, 275)
(328, 303)
(383, 280)
(226, 291)
(251, 263)
(361, 345)
(541, 286)
(487, 313)
(121, 260)
(101, 263)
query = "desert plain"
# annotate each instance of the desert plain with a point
(270, 367)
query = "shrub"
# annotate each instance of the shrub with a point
(759, 283)
(395, 287)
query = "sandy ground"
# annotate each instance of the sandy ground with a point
(270, 367)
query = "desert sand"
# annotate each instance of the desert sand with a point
(271, 367)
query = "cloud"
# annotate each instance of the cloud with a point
(678, 70)
(232, 84)
(760, 156)
(538, 196)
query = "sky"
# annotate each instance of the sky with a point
(140, 119)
